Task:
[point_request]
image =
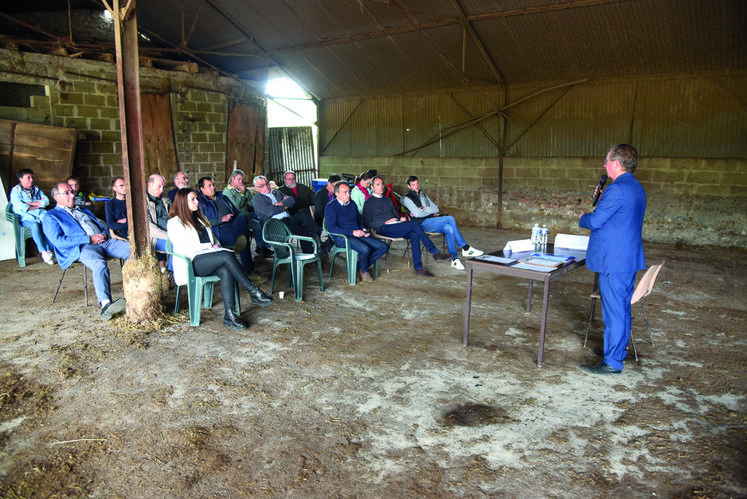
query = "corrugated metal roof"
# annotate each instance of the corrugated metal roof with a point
(344, 48)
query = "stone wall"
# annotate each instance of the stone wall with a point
(690, 201)
(82, 94)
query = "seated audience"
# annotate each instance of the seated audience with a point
(81, 201)
(323, 197)
(29, 202)
(77, 236)
(230, 227)
(181, 181)
(158, 217)
(425, 211)
(189, 232)
(361, 191)
(275, 204)
(343, 218)
(116, 209)
(301, 194)
(380, 215)
(243, 200)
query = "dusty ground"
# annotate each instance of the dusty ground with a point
(366, 391)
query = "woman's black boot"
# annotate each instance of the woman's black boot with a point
(259, 297)
(233, 320)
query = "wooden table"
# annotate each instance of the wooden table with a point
(533, 275)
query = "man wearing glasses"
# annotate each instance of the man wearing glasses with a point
(77, 236)
(274, 204)
(301, 194)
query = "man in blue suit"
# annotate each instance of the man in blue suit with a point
(77, 235)
(616, 252)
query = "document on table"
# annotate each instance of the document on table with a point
(536, 268)
(495, 259)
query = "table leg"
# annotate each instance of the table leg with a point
(529, 298)
(543, 326)
(468, 306)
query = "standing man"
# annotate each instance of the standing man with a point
(236, 192)
(275, 204)
(615, 251)
(77, 235)
(181, 181)
(380, 215)
(301, 194)
(343, 218)
(425, 211)
(158, 217)
(228, 225)
(28, 202)
(116, 209)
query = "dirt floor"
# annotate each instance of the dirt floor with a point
(367, 391)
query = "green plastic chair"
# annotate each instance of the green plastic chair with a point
(197, 286)
(20, 233)
(351, 257)
(276, 234)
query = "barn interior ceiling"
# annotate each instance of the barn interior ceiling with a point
(347, 48)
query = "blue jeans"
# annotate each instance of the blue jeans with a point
(36, 233)
(369, 250)
(94, 256)
(415, 233)
(616, 289)
(445, 225)
(227, 233)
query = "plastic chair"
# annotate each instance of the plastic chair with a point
(642, 290)
(197, 287)
(351, 257)
(276, 234)
(20, 234)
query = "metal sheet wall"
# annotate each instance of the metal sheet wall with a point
(687, 116)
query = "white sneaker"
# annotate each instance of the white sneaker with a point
(471, 252)
(456, 264)
(47, 256)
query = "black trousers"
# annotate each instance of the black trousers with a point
(303, 224)
(224, 265)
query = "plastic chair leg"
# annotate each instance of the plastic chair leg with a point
(319, 273)
(178, 295)
(352, 265)
(298, 281)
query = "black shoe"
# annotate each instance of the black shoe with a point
(441, 256)
(601, 368)
(423, 272)
(598, 352)
(112, 308)
(259, 297)
(233, 320)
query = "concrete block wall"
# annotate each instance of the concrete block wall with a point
(690, 201)
(83, 96)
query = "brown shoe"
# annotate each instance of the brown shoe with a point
(441, 256)
(423, 272)
(366, 277)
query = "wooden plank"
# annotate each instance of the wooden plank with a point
(158, 136)
(245, 134)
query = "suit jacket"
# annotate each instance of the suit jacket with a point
(615, 243)
(265, 208)
(66, 234)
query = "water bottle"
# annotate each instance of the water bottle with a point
(535, 237)
(543, 237)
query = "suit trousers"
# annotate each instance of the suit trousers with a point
(616, 290)
(94, 256)
(227, 233)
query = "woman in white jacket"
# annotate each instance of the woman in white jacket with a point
(190, 234)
